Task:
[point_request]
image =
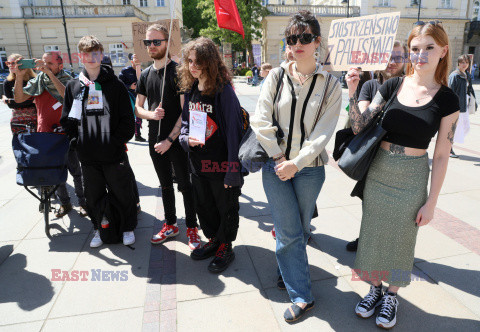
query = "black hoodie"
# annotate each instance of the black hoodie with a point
(101, 136)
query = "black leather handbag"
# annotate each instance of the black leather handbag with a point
(360, 151)
(251, 154)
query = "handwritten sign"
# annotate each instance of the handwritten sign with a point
(139, 29)
(364, 41)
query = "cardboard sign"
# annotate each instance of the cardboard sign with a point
(139, 29)
(364, 41)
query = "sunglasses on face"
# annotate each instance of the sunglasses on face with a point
(436, 22)
(304, 38)
(156, 42)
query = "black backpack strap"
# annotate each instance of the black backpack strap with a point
(305, 103)
(292, 119)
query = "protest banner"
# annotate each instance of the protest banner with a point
(139, 30)
(364, 41)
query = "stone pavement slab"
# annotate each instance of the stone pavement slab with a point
(122, 320)
(248, 311)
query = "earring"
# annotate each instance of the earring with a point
(317, 56)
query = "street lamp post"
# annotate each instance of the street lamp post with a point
(347, 3)
(66, 36)
(419, 4)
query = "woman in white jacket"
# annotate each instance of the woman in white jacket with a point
(306, 106)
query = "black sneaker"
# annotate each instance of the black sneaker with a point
(366, 307)
(63, 210)
(452, 154)
(387, 317)
(223, 258)
(208, 250)
(281, 283)
(353, 245)
(139, 138)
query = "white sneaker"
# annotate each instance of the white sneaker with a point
(96, 241)
(128, 238)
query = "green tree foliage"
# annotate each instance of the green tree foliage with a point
(251, 12)
(192, 17)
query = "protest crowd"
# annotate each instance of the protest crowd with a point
(201, 138)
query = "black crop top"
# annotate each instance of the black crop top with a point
(414, 127)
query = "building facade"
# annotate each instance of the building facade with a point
(32, 27)
(454, 14)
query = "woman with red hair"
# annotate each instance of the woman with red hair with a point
(396, 199)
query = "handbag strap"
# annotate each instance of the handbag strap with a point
(292, 119)
(302, 117)
(274, 120)
(391, 99)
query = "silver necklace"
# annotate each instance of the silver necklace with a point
(307, 76)
(417, 100)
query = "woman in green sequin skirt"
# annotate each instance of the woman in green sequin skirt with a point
(395, 198)
(396, 188)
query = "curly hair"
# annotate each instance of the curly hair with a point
(209, 61)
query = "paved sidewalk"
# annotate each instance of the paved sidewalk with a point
(159, 288)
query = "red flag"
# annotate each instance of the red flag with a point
(228, 16)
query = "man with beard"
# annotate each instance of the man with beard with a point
(167, 151)
(48, 90)
(395, 68)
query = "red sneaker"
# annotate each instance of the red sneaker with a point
(193, 238)
(273, 233)
(166, 232)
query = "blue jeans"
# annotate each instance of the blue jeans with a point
(292, 203)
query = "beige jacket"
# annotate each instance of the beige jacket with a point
(319, 125)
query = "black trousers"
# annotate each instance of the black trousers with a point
(135, 187)
(177, 157)
(110, 180)
(217, 208)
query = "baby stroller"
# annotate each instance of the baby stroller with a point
(41, 162)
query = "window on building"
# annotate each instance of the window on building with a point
(3, 56)
(445, 3)
(126, 2)
(51, 48)
(48, 33)
(143, 3)
(160, 3)
(80, 32)
(114, 32)
(265, 2)
(116, 54)
(384, 3)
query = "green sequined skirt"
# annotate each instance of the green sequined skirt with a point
(396, 188)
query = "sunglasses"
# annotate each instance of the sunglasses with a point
(156, 42)
(304, 38)
(436, 22)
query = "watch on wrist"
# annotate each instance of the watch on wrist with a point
(169, 139)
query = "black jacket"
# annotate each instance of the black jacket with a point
(100, 137)
(230, 122)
